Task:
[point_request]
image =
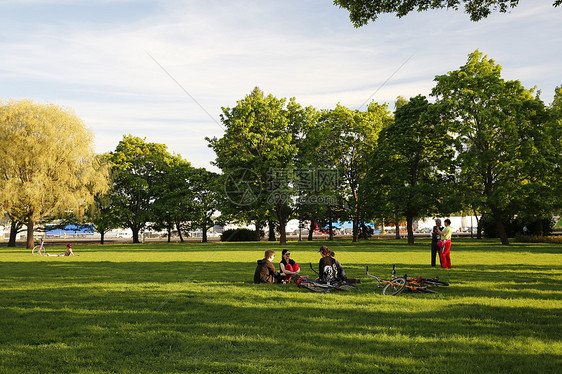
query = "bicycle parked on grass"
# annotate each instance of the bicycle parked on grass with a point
(38, 250)
(324, 287)
(397, 285)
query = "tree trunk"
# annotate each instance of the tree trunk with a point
(397, 228)
(258, 231)
(331, 229)
(356, 224)
(13, 233)
(179, 231)
(30, 223)
(102, 237)
(499, 224)
(135, 235)
(311, 230)
(271, 236)
(409, 224)
(282, 225)
(169, 234)
(479, 228)
(204, 233)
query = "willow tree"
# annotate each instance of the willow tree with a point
(47, 162)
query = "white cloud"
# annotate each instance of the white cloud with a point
(218, 51)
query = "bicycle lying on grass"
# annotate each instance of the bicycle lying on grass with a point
(397, 285)
(39, 250)
(323, 287)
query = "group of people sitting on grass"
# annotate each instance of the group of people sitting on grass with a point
(329, 269)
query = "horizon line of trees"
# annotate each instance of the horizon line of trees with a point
(485, 146)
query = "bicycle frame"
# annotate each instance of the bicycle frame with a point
(40, 251)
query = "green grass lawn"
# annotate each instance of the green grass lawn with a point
(193, 308)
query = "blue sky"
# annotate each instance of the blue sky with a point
(105, 59)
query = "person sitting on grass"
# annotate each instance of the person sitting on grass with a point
(327, 267)
(265, 271)
(288, 267)
(67, 253)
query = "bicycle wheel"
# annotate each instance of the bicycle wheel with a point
(394, 287)
(435, 282)
(35, 252)
(347, 287)
(314, 287)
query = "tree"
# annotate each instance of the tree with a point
(47, 162)
(345, 138)
(206, 190)
(409, 163)
(137, 168)
(363, 11)
(103, 215)
(173, 195)
(256, 155)
(495, 124)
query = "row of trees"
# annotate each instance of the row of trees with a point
(485, 145)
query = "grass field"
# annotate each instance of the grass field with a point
(164, 308)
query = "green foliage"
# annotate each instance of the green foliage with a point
(514, 226)
(257, 156)
(193, 308)
(238, 235)
(47, 162)
(138, 171)
(342, 141)
(501, 138)
(407, 167)
(363, 11)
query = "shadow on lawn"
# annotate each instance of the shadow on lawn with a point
(202, 327)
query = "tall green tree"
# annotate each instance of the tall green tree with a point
(207, 192)
(256, 155)
(173, 196)
(344, 138)
(47, 162)
(363, 11)
(408, 165)
(137, 168)
(493, 122)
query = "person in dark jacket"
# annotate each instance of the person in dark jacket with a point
(265, 271)
(435, 237)
(327, 267)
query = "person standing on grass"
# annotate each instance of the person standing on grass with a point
(265, 271)
(446, 246)
(288, 266)
(435, 237)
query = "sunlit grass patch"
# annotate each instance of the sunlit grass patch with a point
(193, 308)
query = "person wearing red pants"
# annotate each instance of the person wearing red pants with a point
(288, 267)
(444, 252)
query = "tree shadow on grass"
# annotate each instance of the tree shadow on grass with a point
(236, 327)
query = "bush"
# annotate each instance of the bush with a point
(539, 239)
(514, 226)
(239, 235)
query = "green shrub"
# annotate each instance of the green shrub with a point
(539, 239)
(239, 235)
(514, 226)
